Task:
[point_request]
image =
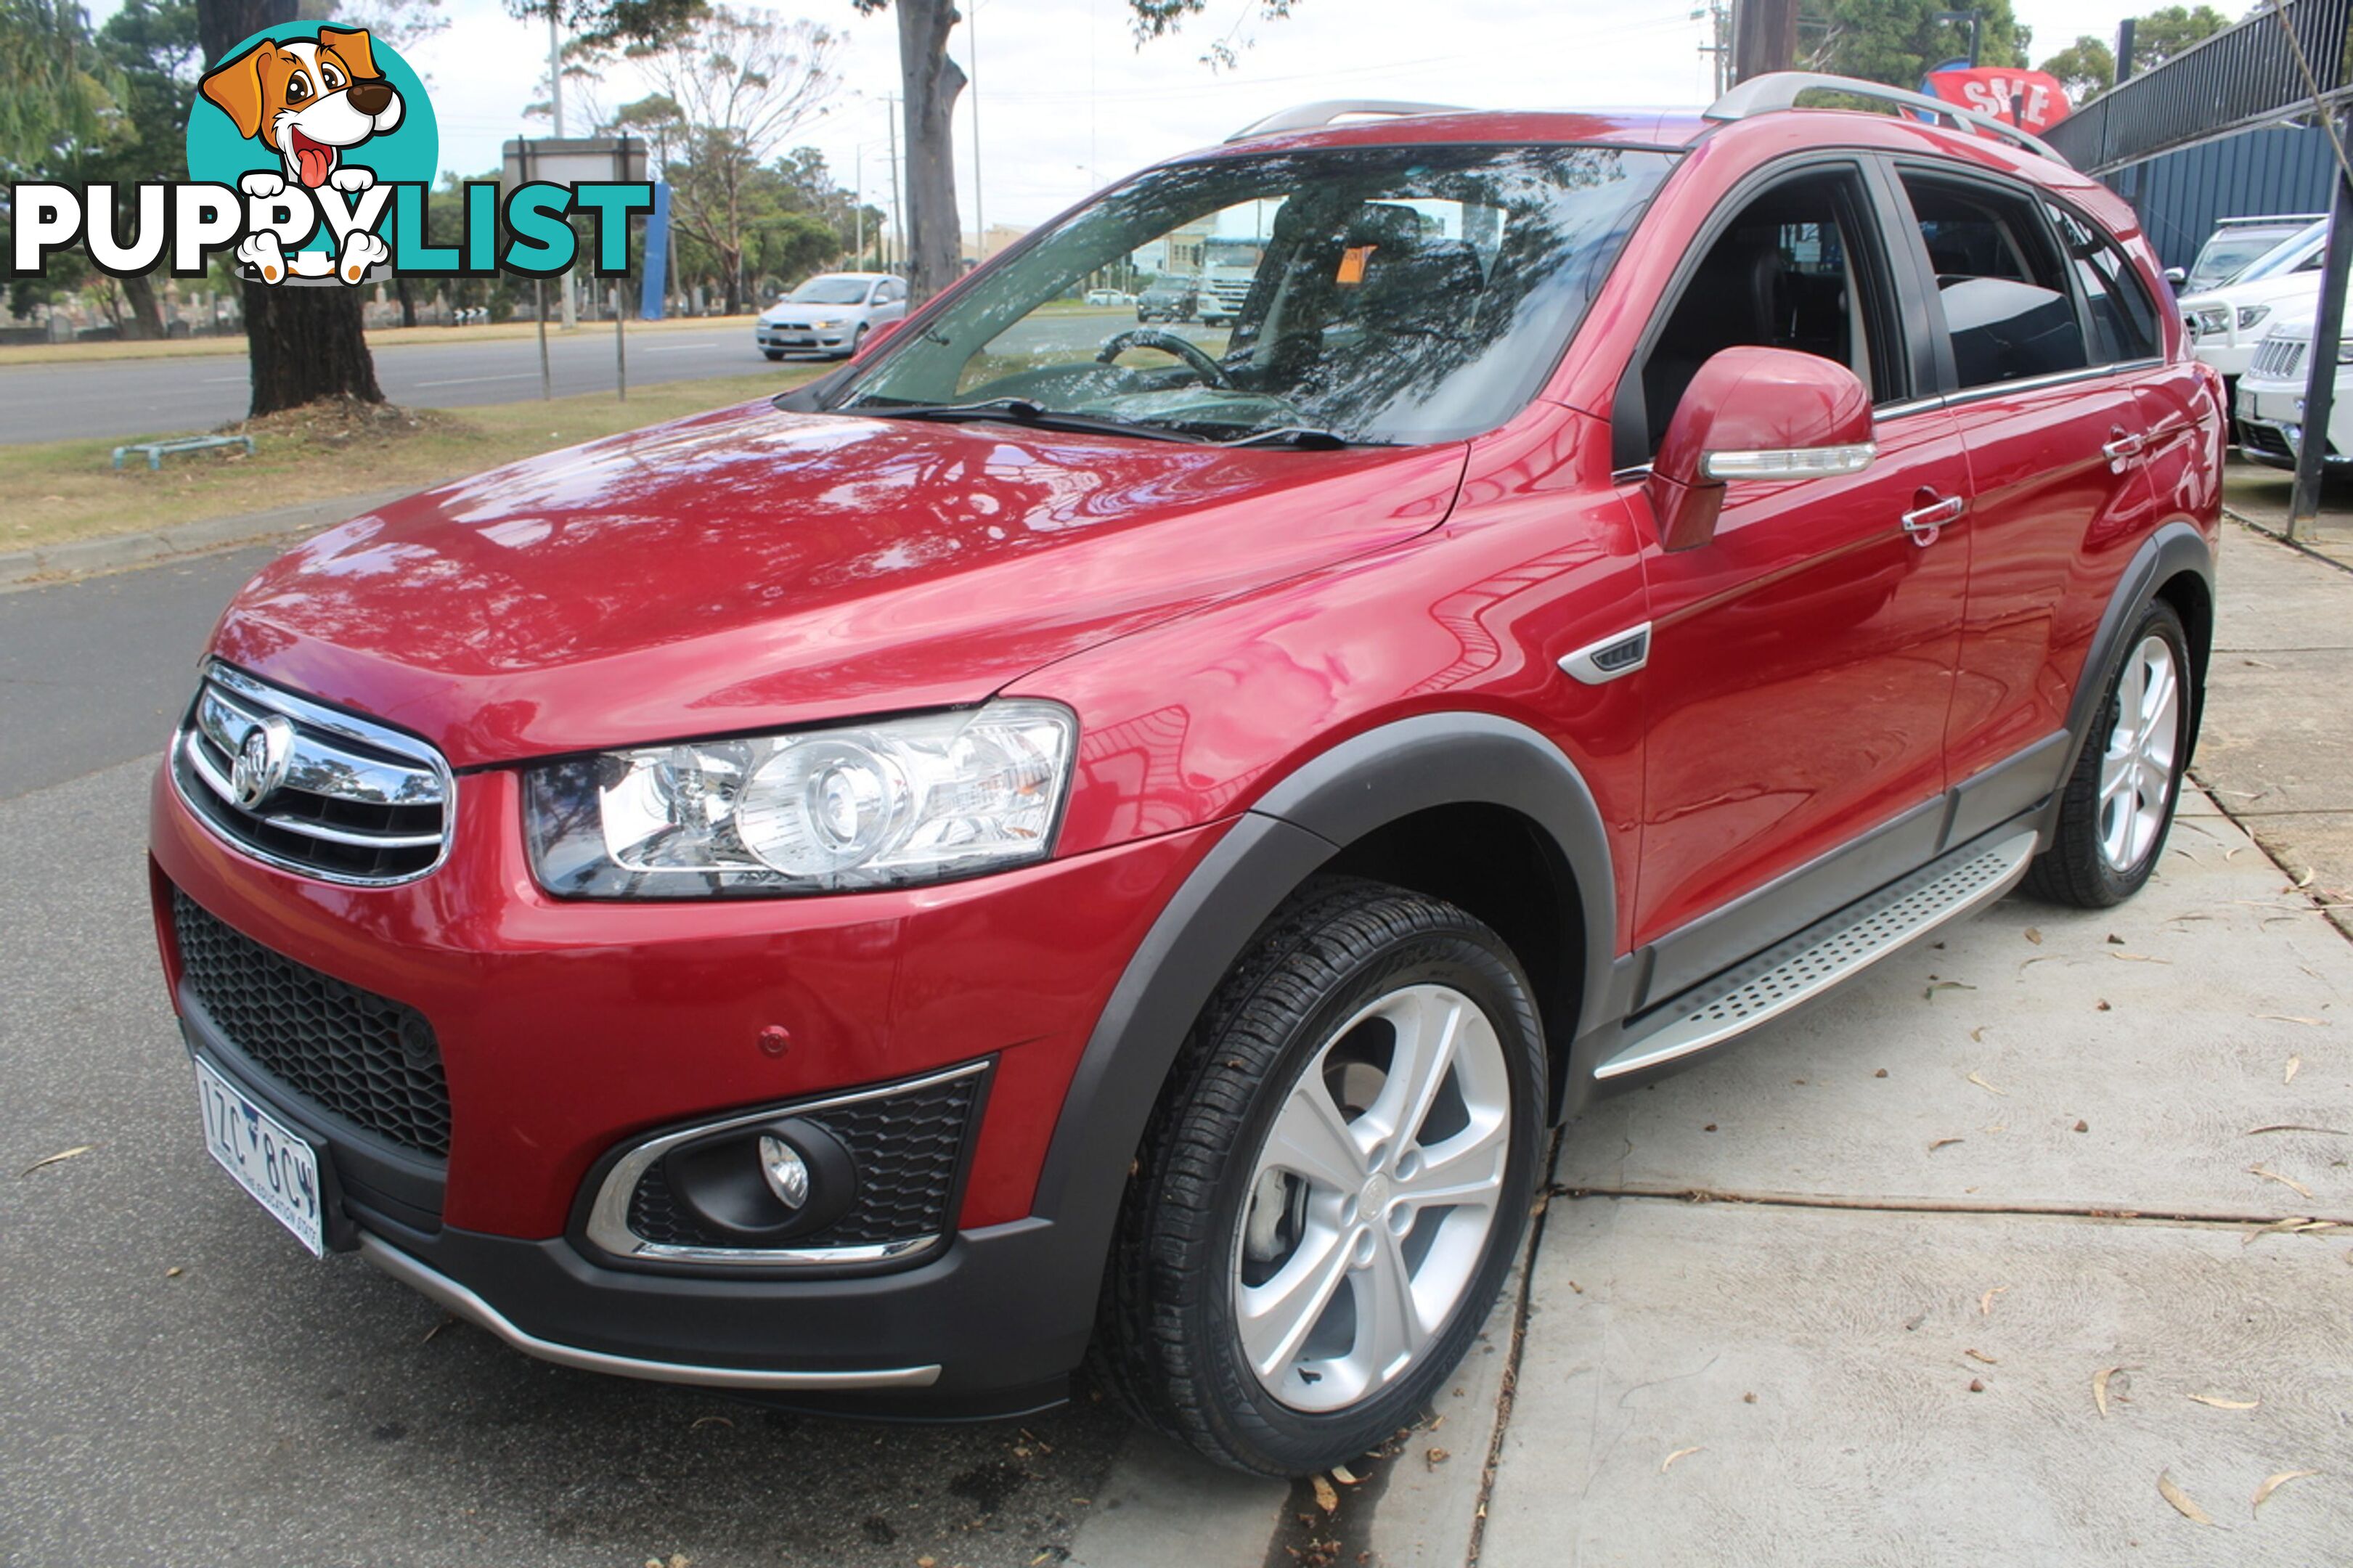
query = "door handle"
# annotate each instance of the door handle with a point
(2122, 450)
(1924, 523)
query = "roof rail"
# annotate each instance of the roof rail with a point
(1314, 116)
(1780, 90)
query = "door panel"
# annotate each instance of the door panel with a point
(1800, 673)
(2049, 506)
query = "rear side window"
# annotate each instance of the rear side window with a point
(2004, 291)
(2124, 323)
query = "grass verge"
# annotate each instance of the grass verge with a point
(65, 489)
(380, 338)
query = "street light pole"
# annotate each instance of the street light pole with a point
(556, 107)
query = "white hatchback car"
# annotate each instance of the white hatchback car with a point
(831, 314)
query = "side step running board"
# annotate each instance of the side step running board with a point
(1818, 957)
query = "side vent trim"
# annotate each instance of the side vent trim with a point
(1620, 654)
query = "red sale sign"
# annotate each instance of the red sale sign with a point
(2031, 100)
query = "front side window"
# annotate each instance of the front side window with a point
(1372, 294)
(2005, 296)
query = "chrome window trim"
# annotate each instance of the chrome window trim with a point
(608, 1217)
(2028, 384)
(243, 689)
(437, 1287)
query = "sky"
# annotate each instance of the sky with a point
(1067, 102)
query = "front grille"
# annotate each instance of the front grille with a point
(2278, 359)
(907, 1149)
(310, 788)
(367, 1058)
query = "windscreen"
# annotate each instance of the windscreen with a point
(1377, 294)
(831, 291)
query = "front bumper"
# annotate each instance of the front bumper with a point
(809, 340)
(2271, 424)
(569, 1029)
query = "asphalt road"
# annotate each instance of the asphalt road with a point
(137, 397)
(186, 1386)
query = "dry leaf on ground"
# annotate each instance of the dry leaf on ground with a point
(72, 1154)
(2273, 1483)
(1940, 1142)
(2291, 1018)
(2296, 1127)
(1945, 986)
(1678, 1454)
(2298, 1188)
(2180, 1501)
(2219, 1403)
(1986, 1087)
(2100, 1386)
(2293, 1064)
(1327, 1498)
(1985, 1302)
(1344, 1475)
(1980, 1355)
(2034, 936)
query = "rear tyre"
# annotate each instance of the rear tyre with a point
(2118, 808)
(1332, 1185)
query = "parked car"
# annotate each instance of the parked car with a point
(2235, 243)
(2226, 322)
(1109, 297)
(833, 313)
(2271, 396)
(1023, 850)
(1167, 299)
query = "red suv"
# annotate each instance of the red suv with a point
(1043, 848)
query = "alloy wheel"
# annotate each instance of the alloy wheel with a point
(2137, 769)
(1371, 1200)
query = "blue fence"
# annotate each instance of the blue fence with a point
(2180, 195)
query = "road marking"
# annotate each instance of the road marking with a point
(223, 380)
(470, 380)
(692, 348)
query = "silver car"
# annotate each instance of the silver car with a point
(831, 314)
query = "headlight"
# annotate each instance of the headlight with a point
(868, 805)
(2212, 319)
(829, 323)
(2250, 314)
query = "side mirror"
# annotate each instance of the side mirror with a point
(2175, 276)
(875, 332)
(1755, 414)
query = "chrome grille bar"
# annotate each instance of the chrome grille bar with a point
(341, 798)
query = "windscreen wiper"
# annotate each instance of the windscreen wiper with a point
(1307, 437)
(1016, 411)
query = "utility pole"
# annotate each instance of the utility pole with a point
(979, 213)
(1719, 53)
(1764, 37)
(898, 240)
(556, 106)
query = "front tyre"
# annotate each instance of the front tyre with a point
(1332, 1185)
(2118, 804)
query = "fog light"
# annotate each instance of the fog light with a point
(787, 1172)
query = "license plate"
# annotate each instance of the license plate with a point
(278, 1167)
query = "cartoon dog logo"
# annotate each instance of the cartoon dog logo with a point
(309, 101)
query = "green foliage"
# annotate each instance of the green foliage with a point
(1898, 41)
(56, 89)
(608, 23)
(2088, 66)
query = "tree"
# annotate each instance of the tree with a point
(1900, 41)
(2088, 67)
(929, 85)
(728, 89)
(54, 88)
(151, 47)
(305, 343)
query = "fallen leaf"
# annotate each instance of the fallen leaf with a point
(1437, 1457)
(2292, 1018)
(2139, 958)
(2103, 1006)
(174, 1272)
(1748, 1399)
(2100, 1387)
(2180, 1501)
(1980, 1355)
(2034, 936)
(1678, 1454)
(2293, 1064)
(2306, 881)
(2293, 1221)
(1977, 1034)
(2082, 1127)
(1327, 1498)
(1986, 1087)
(1941, 1142)
(2219, 1403)
(1344, 1475)
(1881, 1073)
(2114, 941)
(2296, 1127)
(2298, 1188)
(73, 1154)
(1985, 1302)
(1945, 986)
(2273, 1483)
(1976, 1385)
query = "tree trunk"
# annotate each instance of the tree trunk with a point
(146, 316)
(304, 341)
(932, 82)
(408, 301)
